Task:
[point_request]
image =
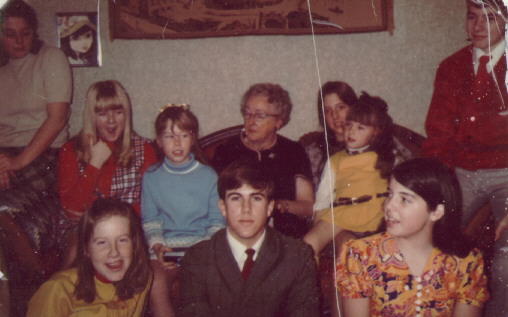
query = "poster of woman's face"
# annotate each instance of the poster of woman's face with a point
(78, 34)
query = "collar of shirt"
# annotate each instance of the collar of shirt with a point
(359, 150)
(495, 51)
(238, 248)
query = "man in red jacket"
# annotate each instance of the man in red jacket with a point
(467, 128)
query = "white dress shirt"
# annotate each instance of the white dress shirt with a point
(496, 52)
(238, 248)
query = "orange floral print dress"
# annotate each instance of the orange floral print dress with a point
(374, 268)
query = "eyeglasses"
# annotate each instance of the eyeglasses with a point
(258, 116)
(180, 137)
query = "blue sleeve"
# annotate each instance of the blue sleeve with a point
(215, 218)
(152, 222)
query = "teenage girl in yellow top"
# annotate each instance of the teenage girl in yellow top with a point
(112, 276)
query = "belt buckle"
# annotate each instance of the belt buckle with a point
(354, 200)
(361, 199)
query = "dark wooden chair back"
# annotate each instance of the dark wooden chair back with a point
(210, 142)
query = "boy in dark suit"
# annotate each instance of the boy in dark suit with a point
(248, 269)
(467, 128)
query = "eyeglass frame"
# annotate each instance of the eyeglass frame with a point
(258, 116)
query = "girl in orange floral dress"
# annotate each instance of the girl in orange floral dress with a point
(421, 265)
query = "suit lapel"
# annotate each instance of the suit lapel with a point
(268, 257)
(226, 264)
(500, 71)
(470, 69)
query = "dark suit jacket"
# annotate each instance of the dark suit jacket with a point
(283, 280)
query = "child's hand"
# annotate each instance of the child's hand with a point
(159, 250)
(317, 216)
(501, 226)
(99, 152)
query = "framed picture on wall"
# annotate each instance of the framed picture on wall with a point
(78, 35)
(137, 19)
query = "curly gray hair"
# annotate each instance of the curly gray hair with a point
(275, 94)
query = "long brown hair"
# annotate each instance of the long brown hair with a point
(342, 90)
(137, 275)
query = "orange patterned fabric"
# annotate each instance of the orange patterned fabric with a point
(374, 268)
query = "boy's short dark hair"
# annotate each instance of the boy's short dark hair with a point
(245, 172)
(496, 5)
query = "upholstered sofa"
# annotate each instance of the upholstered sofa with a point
(28, 240)
(408, 142)
(28, 250)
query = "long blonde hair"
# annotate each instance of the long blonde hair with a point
(104, 95)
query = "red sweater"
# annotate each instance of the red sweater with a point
(464, 132)
(78, 190)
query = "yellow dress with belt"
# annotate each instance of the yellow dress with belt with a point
(356, 176)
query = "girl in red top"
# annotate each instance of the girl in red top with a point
(106, 158)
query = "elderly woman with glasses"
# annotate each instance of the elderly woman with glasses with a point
(266, 108)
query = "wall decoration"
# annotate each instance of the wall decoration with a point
(78, 34)
(160, 19)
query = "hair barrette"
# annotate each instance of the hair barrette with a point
(169, 105)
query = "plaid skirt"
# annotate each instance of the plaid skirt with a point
(40, 174)
(33, 201)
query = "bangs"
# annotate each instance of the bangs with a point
(110, 95)
(182, 122)
(177, 116)
(362, 117)
(105, 104)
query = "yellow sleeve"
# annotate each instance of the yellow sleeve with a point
(353, 280)
(473, 281)
(53, 298)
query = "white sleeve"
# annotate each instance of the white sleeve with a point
(326, 191)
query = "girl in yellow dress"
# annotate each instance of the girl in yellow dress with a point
(357, 174)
